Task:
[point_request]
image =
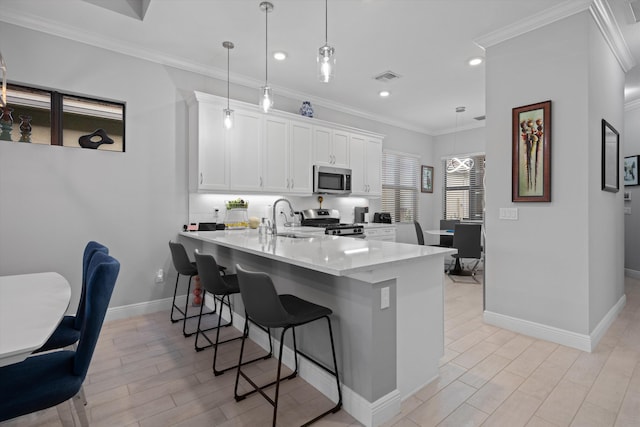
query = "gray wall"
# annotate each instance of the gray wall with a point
(631, 139)
(53, 199)
(545, 267)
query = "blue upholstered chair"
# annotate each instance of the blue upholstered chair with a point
(46, 380)
(68, 331)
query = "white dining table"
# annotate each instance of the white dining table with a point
(31, 307)
(439, 232)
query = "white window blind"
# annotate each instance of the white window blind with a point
(400, 174)
(463, 188)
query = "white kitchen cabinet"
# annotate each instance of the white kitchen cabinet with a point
(365, 154)
(208, 156)
(331, 147)
(387, 234)
(245, 151)
(300, 158)
(287, 149)
(275, 152)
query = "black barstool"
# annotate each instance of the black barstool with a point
(221, 288)
(270, 310)
(184, 267)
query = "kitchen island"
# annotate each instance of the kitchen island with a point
(387, 300)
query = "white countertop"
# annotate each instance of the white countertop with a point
(377, 225)
(338, 256)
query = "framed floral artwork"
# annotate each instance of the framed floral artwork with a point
(426, 179)
(531, 153)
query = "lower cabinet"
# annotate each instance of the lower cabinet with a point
(387, 234)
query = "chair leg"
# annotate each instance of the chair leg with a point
(79, 401)
(202, 331)
(173, 305)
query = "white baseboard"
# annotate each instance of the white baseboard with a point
(560, 336)
(632, 273)
(132, 310)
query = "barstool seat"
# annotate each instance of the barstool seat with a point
(184, 267)
(266, 308)
(221, 287)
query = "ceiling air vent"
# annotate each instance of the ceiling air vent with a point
(387, 76)
(480, 118)
(635, 9)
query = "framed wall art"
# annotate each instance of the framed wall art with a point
(630, 170)
(426, 179)
(531, 153)
(610, 156)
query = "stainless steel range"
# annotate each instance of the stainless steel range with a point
(329, 219)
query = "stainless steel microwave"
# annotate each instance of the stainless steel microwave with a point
(330, 180)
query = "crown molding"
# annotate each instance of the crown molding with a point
(599, 10)
(93, 39)
(533, 22)
(462, 128)
(632, 105)
(602, 14)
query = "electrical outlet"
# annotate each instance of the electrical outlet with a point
(160, 276)
(384, 298)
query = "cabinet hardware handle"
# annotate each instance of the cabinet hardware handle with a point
(260, 182)
(292, 183)
(288, 183)
(200, 177)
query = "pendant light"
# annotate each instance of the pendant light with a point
(227, 112)
(456, 164)
(266, 94)
(326, 59)
(3, 68)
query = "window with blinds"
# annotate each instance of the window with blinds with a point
(400, 179)
(463, 187)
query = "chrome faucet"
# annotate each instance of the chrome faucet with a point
(274, 228)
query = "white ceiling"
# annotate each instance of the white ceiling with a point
(427, 42)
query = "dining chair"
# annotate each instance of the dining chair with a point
(447, 224)
(419, 232)
(467, 239)
(266, 308)
(68, 331)
(221, 287)
(48, 379)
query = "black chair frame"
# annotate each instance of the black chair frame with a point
(215, 343)
(276, 382)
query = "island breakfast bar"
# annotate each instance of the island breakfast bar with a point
(387, 302)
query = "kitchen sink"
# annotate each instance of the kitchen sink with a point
(295, 235)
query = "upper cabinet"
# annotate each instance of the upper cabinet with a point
(273, 152)
(366, 160)
(331, 147)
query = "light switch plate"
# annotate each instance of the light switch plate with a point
(509, 213)
(627, 210)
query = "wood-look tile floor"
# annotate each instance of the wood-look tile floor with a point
(145, 373)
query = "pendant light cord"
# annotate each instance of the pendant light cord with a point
(228, 48)
(326, 22)
(266, 46)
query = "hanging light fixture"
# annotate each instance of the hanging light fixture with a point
(227, 112)
(326, 59)
(3, 68)
(266, 94)
(455, 164)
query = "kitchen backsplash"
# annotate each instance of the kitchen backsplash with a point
(202, 206)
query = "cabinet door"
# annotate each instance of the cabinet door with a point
(322, 153)
(245, 152)
(340, 149)
(357, 165)
(209, 143)
(276, 154)
(373, 167)
(300, 160)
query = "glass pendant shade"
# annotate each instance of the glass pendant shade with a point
(227, 118)
(326, 63)
(266, 98)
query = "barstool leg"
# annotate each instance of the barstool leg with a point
(173, 306)
(186, 307)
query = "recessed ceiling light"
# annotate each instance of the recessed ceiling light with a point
(384, 93)
(475, 61)
(280, 56)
